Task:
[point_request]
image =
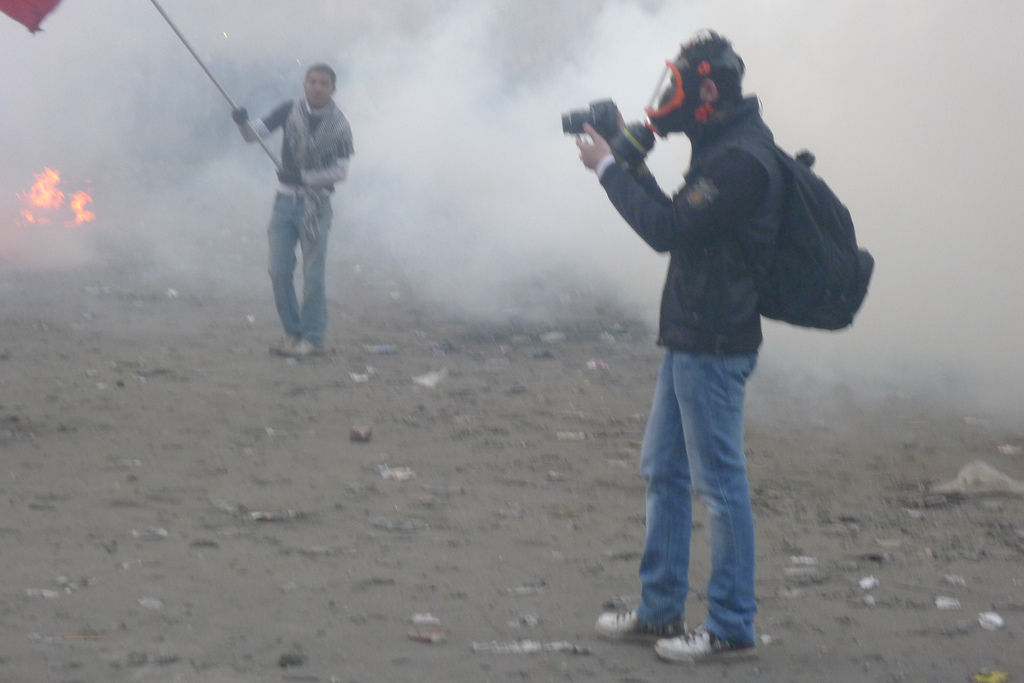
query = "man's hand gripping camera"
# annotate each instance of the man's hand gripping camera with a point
(630, 142)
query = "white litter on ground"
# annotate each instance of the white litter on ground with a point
(980, 479)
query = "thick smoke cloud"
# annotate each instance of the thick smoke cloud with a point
(463, 178)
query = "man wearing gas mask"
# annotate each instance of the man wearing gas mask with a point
(718, 228)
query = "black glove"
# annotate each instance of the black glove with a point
(240, 115)
(290, 177)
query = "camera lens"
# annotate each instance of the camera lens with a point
(572, 121)
(567, 123)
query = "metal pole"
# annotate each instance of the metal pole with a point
(223, 92)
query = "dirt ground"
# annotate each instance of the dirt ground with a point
(179, 505)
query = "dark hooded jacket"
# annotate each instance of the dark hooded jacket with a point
(720, 225)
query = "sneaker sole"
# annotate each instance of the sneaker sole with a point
(724, 656)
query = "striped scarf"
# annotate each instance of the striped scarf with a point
(316, 151)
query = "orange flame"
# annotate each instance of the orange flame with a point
(82, 214)
(45, 195)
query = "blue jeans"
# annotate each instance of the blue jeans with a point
(695, 437)
(310, 321)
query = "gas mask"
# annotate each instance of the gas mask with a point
(675, 106)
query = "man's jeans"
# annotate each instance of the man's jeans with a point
(285, 231)
(695, 435)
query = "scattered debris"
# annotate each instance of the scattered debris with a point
(432, 635)
(947, 603)
(284, 515)
(380, 349)
(398, 523)
(980, 478)
(522, 591)
(868, 582)
(595, 364)
(571, 436)
(431, 379)
(290, 659)
(955, 579)
(552, 337)
(987, 676)
(151, 603)
(527, 647)
(396, 473)
(525, 621)
(991, 621)
(42, 593)
(144, 658)
(360, 433)
(429, 631)
(446, 491)
(1010, 449)
(425, 619)
(150, 534)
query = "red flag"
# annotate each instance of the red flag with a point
(28, 12)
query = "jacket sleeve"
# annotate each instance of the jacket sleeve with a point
(732, 186)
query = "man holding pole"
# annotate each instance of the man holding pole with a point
(315, 155)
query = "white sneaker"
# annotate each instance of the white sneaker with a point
(700, 645)
(285, 346)
(628, 626)
(305, 349)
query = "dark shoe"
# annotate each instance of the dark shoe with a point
(700, 645)
(628, 626)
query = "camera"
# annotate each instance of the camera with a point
(630, 142)
(603, 115)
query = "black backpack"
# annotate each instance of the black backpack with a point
(820, 276)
